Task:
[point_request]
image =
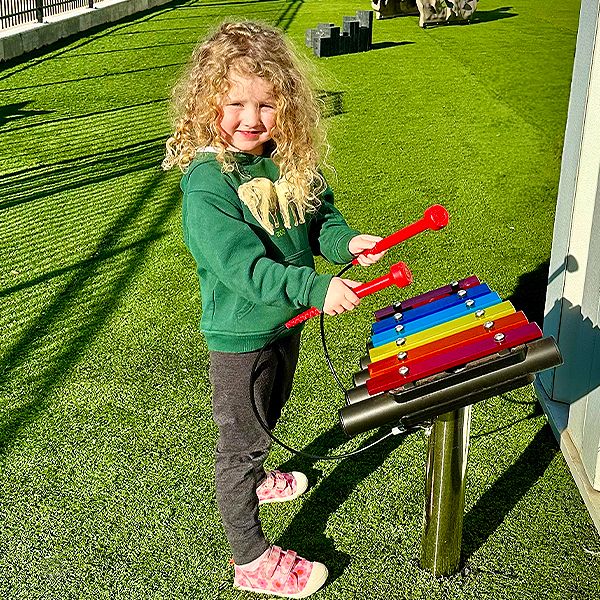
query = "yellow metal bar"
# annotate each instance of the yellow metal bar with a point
(443, 330)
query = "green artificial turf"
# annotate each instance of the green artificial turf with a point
(106, 439)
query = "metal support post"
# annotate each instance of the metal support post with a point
(445, 478)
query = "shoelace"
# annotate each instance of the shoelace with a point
(274, 478)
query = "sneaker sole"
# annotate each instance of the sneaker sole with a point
(315, 582)
(301, 487)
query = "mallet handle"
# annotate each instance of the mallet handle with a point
(399, 275)
(435, 217)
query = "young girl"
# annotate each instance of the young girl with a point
(255, 210)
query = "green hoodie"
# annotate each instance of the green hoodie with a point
(251, 282)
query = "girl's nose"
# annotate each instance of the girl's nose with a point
(251, 115)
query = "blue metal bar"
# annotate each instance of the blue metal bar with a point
(449, 314)
(426, 309)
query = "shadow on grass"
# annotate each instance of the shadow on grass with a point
(39, 85)
(53, 339)
(190, 44)
(286, 18)
(24, 186)
(332, 103)
(382, 45)
(77, 117)
(486, 16)
(306, 532)
(530, 293)
(138, 245)
(536, 412)
(24, 62)
(36, 57)
(491, 509)
(16, 111)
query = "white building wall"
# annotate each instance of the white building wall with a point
(570, 394)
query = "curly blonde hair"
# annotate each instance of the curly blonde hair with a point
(254, 49)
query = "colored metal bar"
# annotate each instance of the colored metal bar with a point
(470, 369)
(445, 481)
(440, 331)
(437, 318)
(462, 338)
(427, 309)
(430, 296)
(455, 357)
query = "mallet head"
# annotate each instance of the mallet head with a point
(401, 275)
(436, 216)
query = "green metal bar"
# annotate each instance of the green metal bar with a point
(445, 478)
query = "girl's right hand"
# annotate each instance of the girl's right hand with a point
(340, 296)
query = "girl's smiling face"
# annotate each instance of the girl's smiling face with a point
(247, 113)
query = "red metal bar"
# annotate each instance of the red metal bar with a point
(477, 332)
(439, 363)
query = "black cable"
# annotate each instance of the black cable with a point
(266, 428)
(324, 344)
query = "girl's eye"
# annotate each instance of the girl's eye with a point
(267, 106)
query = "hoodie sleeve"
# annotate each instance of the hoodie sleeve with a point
(329, 233)
(222, 242)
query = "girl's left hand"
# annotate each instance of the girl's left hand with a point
(362, 242)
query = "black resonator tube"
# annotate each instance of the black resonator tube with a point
(424, 402)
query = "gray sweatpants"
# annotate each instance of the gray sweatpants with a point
(242, 446)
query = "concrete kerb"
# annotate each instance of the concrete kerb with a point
(16, 41)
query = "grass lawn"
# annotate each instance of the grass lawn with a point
(106, 439)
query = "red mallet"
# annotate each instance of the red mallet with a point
(434, 218)
(399, 275)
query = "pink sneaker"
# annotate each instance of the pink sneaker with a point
(281, 573)
(281, 487)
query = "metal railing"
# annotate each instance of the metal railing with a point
(19, 12)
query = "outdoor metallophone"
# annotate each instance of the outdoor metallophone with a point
(442, 350)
